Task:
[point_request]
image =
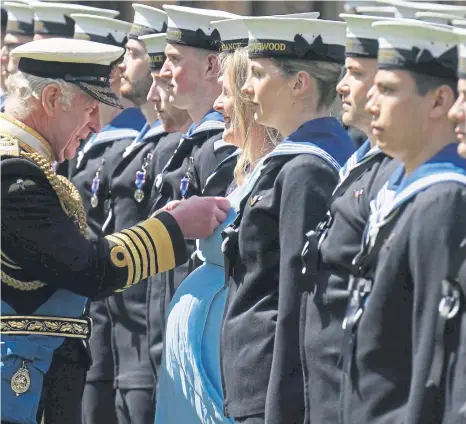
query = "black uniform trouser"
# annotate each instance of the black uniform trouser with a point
(98, 405)
(135, 406)
(62, 392)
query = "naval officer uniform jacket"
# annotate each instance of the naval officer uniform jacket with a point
(50, 270)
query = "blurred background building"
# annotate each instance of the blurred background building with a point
(328, 9)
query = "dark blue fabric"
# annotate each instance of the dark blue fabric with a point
(328, 134)
(447, 160)
(211, 115)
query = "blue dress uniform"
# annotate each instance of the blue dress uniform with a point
(258, 299)
(327, 257)
(393, 369)
(330, 249)
(454, 286)
(89, 175)
(49, 268)
(416, 230)
(261, 368)
(129, 201)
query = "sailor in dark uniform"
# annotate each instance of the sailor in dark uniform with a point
(173, 122)
(92, 175)
(201, 149)
(49, 267)
(133, 173)
(393, 363)
(456, 276)
(87, 174)
(332, 246)
(261, 370)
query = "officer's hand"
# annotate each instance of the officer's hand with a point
(171, 205)
(198, 217)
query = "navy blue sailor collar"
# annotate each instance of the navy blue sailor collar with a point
(444, 166)
(327, 134)
(446, 160)
(126, 124)
(211, 120)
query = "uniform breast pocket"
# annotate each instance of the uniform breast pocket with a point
(22, 382)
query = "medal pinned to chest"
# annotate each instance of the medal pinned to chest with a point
(141, 179)
(186, 180)
(21, 380)
(96, 185)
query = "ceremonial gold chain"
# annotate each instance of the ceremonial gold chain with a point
(70, 201)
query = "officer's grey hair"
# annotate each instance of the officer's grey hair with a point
(22, 87)
(326, 74)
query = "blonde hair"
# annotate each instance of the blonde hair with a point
(234, 66)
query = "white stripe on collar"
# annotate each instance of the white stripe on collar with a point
(209, 125)
(113, 135)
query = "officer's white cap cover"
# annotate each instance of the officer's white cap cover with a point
(84, 63)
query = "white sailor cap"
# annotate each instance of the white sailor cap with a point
(20, 18)
(382, 11)
(234, 33)
(417, 46)
(361, 37)
(155, 46)
(351, 5)
(84, 63)
(460, 34)
(100, 29)
(436, 17)
(147, 20)
(459, 23)
(307, 39)
(53, 19)
(192, 27)
(408, 9)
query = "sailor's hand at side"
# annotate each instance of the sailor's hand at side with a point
(198, 217)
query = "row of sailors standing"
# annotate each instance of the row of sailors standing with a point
(275, 325)
(251, 338)
(125, 178)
